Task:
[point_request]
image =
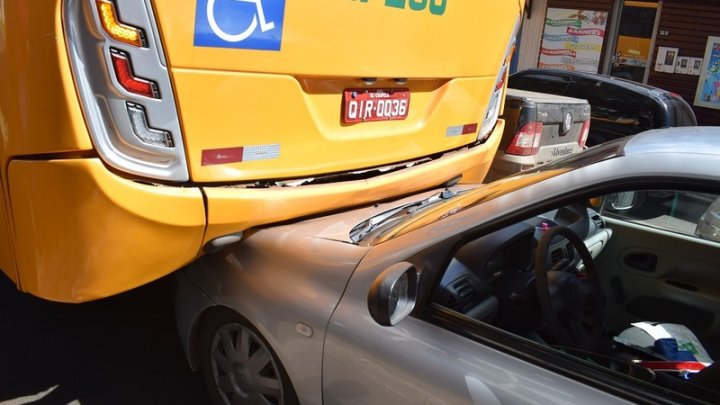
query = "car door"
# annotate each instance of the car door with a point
(420, 361)
(655, 265)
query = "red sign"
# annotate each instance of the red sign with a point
(362, 105)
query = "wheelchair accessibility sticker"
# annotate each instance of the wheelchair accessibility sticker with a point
(246, 24)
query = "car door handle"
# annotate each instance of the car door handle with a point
(646, 262)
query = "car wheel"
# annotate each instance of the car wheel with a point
(238, 365)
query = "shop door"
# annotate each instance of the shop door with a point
(635, 34)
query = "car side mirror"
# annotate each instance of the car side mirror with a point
(709, 225)
(393, 294)
(622, 201)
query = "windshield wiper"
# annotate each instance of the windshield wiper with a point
(361, 230)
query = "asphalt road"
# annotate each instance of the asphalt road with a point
(120, 350)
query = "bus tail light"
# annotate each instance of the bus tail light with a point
(143, 131)
(124, 87)
(116, 29)
(496, 97)
(126, 78)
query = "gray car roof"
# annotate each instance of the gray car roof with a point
(702, 140)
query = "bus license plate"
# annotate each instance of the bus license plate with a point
(362, 105)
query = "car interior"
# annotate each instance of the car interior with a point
(627, 281)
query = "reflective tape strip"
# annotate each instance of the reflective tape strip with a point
(462, 129)
(240, 154)
(260, 152)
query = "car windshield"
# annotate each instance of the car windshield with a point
(403, 219)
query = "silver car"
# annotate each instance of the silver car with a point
(582, 282)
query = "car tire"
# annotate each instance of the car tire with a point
(237, 363)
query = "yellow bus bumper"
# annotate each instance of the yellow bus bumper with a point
(83, 233)
(231, 210)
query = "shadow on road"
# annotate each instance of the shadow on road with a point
(120, 350)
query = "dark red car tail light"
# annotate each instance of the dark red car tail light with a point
(584, 132)
(527, 140)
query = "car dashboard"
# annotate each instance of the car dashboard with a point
(491, 278)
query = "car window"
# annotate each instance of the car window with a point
(593, 279)
(683, 212)
(614, 107)
(539, 82)
(637, 22)
(651, 115)
(587, 89)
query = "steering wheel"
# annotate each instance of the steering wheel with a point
(571, 302)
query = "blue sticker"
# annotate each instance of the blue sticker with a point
(246, 24)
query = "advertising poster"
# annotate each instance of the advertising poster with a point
(572, 40)
(695, 66)
(666, 59)
(708, 90)
(683, 64)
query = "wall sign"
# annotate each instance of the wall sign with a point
(572, 39)
(666, 59)
(246, 24)
(683, 63)
(708, 89)
(695, 66)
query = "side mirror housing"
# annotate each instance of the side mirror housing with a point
(709, 225)
(393, 294)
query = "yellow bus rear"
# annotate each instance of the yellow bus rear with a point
(138, 134)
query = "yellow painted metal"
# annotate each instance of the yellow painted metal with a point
(234, 209)
(83, 233)
(292, 99)
(73, 231)
(39, 113)
(346, 38)
(39, 110)
(303, 119)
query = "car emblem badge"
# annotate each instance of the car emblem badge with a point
(566, 124)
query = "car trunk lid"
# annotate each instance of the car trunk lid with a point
(559, 121)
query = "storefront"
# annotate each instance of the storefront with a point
(671, 44)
